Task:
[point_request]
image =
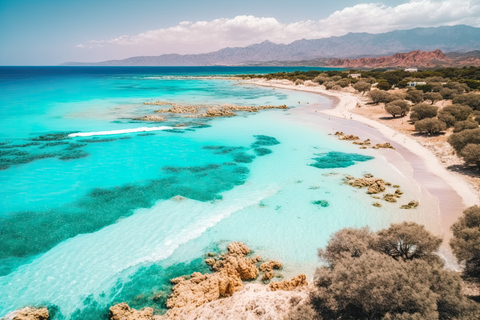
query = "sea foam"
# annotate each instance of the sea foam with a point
(111, 132)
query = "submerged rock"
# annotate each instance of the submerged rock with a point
(151, 118)
(321, 203)
(215, 112)
(288, 285)
(411, 205)
(389, 197)
(122, 311)
(28, 314)
(270, 265)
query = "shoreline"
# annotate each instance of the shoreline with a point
(343, 105)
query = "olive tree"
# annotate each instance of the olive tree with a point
(433, 96)
(460, 140)
(430, 126)
(465, 125)
(447, 118)
(471, 154)
(362, 86)
(466, 239)
(398, 108)
(423, 111)
(471, 99)
(414, 95)
(460, 112)
(384, 85)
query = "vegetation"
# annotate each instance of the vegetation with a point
(362, 86)
(470, 99)
(466, 240)
(430, 126)
(422, 111)
(398, 108)
(391, 274)
(414, 95)
(459, 141)
(433, 96)
(464, 125)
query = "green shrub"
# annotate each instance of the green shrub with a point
(448, 93)
(397, 108)
(422, 111)
(430, 126)
(471, 154)
(433, 96)
(414, 95)
(384, 85)
(459, 140)
(471, 99)
(466, 239)
(447, 118)
(362, 86)
(460, 112)
(465, 125)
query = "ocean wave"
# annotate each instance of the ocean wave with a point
(111, 132)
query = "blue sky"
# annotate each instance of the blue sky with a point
(43, 32)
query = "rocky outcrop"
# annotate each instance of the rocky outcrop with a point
(288, 285)
(375, 185)
(151, 118)
(234, 107)
(179, 109)
(268, 267)
(215, 112)
(385, 145)
(230, 269)
(411, 205)
(122, 311)
(28, 314)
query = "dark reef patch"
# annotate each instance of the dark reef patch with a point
(74, 154)
(335, 159)
(23, 234)
(262, 151)
(52, 144)
(174, 131)
(321, 203)
(97, 140)
(222, 149)
(52, 136)
(146, 134)
(243, 157)
(264, 141)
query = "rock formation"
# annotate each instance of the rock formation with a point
(411, 205)
(179, 109)
(28, 314)
(122, 311)
(152, 118)
(375, 185)
(268, 267)
(288, 285)
(215, 112)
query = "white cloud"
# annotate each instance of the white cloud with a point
(205, 36)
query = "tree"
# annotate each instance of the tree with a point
(342, 83)
(414, 95)
(466, 239)
(362, 86)
(398, 108)
(465, 125)
(378, 96)
(422, 111)
(459, 140)
(447, 118)
(433, 96)
(471, 154)
(448, 93)
(471, 99)
(384, 85)
(430, 126)
(320, 79)
(460, 112)
(329, 85)
(407, 241)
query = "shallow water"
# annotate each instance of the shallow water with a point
(86, 222)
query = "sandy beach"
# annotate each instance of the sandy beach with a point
(454, 191)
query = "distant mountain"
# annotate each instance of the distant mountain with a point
(459, 38)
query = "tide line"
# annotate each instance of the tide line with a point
(111, 132)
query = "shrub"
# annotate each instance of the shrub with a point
(378, 96)
(329, 85)
(433, 96)
(336, 78)
(471, 99)
(362, 86)
(465, 125)
(337, 87)
(414, 95)
(430, 126)
(343, 83)
(298, 82)
(447, 118)
(384, 85)
(398, 108)
(458, 87)
(459, 140)
(466, 239)
(460, 112)
(448, 93)
(422, 111)
(321, 79)
(365, 282)
(471, 154)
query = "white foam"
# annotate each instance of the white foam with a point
(111, 132)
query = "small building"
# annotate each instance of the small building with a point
(355, 75)
(411, 69)
(414, 84)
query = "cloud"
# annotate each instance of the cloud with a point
(205, 36)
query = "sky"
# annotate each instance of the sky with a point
(50, 32)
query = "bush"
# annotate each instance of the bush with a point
(384, 85)
(466, 240)
(460, 112)
(414, 95)
(365, 282)
(458, 87)
(378, 96)
(459, 140)
(448, 93)
(298, 82)
(329, 85)
(471, 154)
(320, 79)
(447, 118)
(465, 125)
(362, 86)
(472, 100)
(430, 126)
(398, 108)
(433, 96)
(343, 83)
(336, 87)
(422, 111)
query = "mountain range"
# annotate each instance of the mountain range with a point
(459, 39)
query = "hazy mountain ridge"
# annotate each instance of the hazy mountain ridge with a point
(458, 38)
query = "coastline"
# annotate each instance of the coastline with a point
(344, 104)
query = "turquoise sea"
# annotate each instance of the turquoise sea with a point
(87, 222)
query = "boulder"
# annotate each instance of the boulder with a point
(288, 285)
(122, 311)
(29, 314)
(152, 118)
(215, 112)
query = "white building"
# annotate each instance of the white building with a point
(411, 69)
(414, 84)
(355, 75)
